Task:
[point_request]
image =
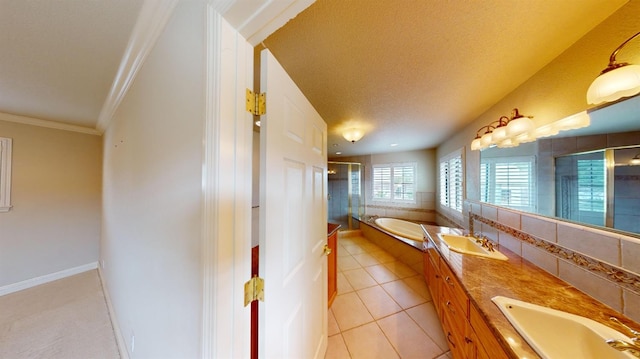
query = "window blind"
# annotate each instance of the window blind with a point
(591, 185)
(508, 182)
(382, 183)
(404, 182)
(394, 182)
(452, 181)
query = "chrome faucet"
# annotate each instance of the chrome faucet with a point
(622, 345)
(635, 334)
(485, 242)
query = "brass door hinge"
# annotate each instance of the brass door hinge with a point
(254, 290)
(256, 103)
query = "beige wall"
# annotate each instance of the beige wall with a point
(151, 237)
(556, 91)
(54, 224)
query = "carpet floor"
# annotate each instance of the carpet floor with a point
(65, 319)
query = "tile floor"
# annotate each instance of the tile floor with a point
(383, 308)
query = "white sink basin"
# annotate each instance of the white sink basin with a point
(556, 334)
(468, 245)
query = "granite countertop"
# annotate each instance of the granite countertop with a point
(517, 278)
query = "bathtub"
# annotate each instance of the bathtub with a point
(401, 228)
(397, 237)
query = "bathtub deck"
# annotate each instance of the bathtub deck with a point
(380, 297)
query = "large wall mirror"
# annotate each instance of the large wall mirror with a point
(589, 176)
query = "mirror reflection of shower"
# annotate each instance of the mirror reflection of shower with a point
(600, 187)
(346, 193)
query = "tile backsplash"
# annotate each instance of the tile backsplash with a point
(603, 264)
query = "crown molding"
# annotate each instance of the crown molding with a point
(256, 20)
(48, 124)
(152, 19)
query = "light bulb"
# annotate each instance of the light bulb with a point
(519, 125)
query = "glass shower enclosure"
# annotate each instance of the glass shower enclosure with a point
(346, 193)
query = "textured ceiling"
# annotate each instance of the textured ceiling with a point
(412, 72)
(58, 58)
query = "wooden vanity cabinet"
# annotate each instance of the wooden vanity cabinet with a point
(488, 345)
(454, 311)
(432, 275)
(467, 334)
(332, 263)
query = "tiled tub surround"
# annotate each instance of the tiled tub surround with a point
(405, 250)
(517, 278)
(603, 264)
(411, 214)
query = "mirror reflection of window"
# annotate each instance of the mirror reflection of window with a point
(508, 182)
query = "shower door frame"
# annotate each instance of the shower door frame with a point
(350, 189)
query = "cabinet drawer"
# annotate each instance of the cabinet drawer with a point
(454, 336)
(455, 292)
(451, 308)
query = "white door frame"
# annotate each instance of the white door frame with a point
(226, 223)
(233, 27)
(226, 215)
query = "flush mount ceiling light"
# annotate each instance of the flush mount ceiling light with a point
(616, 81)
(635, 161)
(353, 134)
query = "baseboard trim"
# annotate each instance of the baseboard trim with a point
(25, 284)
(122, 345)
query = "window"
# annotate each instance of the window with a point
(452, 181)
(5, 174)
(394, 182)
(508, 182)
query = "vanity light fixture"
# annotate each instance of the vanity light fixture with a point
(500, 133)
(519, 124)
(635, 161)
(579, 120)
(616, 81)
(482, 141)
(503, 132)
(353, 134)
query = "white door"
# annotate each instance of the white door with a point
(293, 220)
